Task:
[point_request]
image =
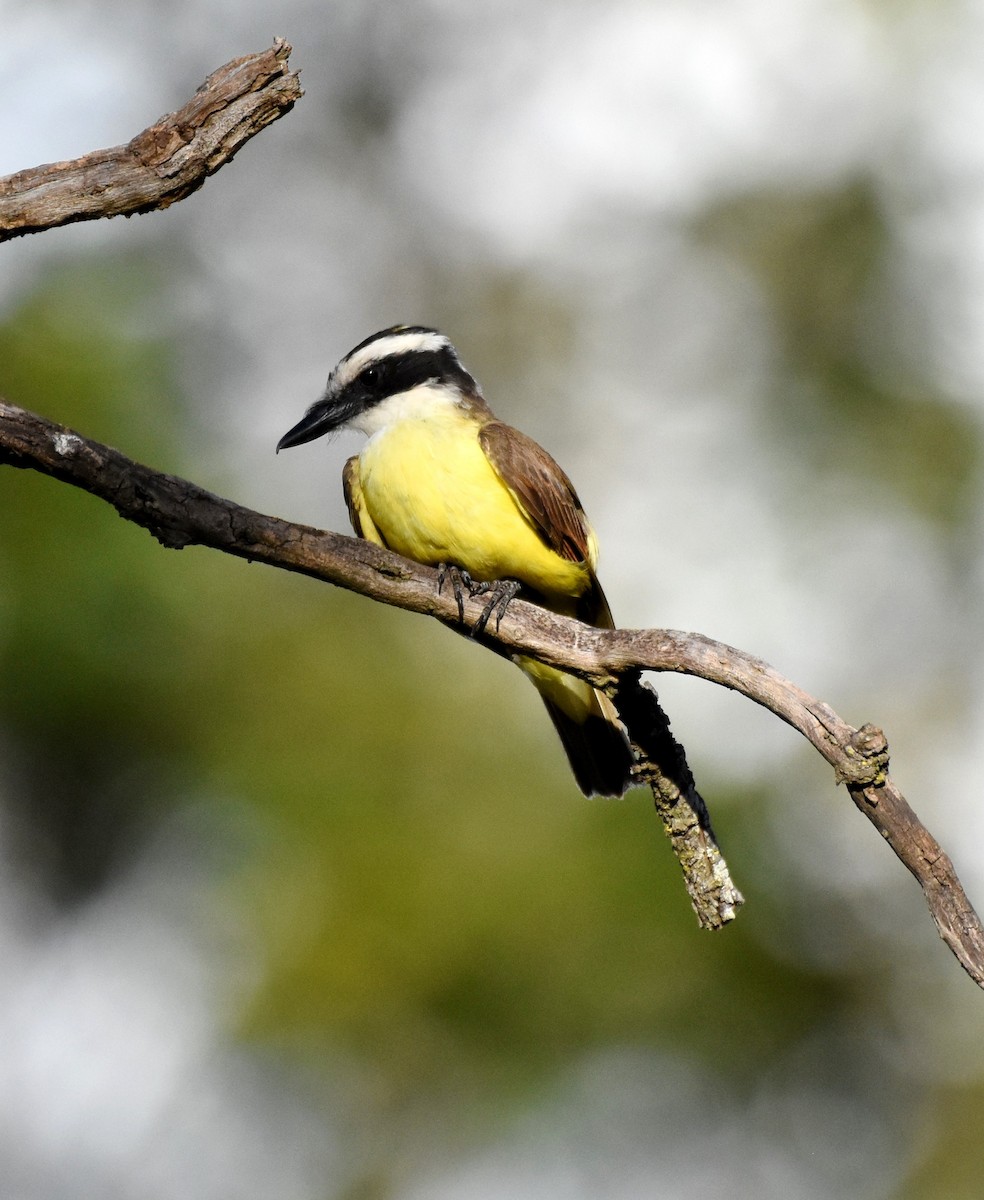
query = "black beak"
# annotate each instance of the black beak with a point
(321, 418)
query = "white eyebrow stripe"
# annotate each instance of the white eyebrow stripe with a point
(395, 343)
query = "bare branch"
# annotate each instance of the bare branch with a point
(163, 164)
(179, 514)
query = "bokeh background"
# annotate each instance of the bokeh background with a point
(297, 898)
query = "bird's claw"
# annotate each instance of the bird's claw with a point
(461, 582)
(503, 591)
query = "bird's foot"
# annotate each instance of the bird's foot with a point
(460, 581)
(503, 591)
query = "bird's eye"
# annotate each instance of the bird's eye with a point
(370, 375)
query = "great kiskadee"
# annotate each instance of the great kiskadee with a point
(441, 481)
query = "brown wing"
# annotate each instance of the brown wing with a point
(362, 523)
(540, 488)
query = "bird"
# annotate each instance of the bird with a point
(440, 480)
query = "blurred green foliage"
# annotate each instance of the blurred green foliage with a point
(848, 396)
(950, 1165)
(91, 640)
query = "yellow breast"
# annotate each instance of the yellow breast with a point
(435, 498)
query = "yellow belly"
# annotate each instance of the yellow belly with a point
(434, 497)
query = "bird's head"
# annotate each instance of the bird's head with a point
(404, 371)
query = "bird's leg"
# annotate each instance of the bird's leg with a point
(503, 591)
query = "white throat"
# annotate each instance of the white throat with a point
(426, 402)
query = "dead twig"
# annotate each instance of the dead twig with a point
(166, 162)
